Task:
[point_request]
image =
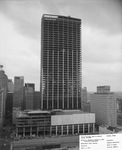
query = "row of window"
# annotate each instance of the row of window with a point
(60, 130)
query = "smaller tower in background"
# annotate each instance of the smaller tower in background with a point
(103, 104)
(3, 94)
(37, 101)
(29, 95)
(10, 86)
(18, 97)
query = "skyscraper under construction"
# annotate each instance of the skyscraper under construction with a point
(60, 62)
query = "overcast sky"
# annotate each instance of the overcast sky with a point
(20, 32)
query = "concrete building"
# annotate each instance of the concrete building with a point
(3, 93)
(29, 95)
(2, 105)
(60, 62)
(54, 123)
(103, 104)
(37, 100)
(10, 86)
(119, 110)
(86, 106)
(84, 95)
(9, 107)
(103, 89)
(18, 97)
(3, 78)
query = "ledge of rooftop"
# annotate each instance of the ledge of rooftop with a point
(66, 111)
(60, 16)
(25, 113)
(104, 93)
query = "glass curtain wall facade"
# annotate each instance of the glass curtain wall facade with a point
(60, 62)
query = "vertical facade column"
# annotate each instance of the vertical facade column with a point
(37, 131)
(72, 72)
(53, 81)
(58, 82)
(42, 40)
(88, 127)
(93, 127)
(63, 63)
(63, 78)
(77, 67)
(47, 77)
(83, 128)
(42, 97)
(24, 132)
(78, 128)
(62, 130)
(58, 70)
(30, 131)
(56, 130)
(67, 129)
(68, 78)
(16, 132)
(50, 130)
(73, 129)
(77, 75)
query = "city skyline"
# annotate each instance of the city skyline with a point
(101, 39)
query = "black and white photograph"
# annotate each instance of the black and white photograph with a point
(60, 74)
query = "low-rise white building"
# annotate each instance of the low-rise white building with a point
(72, 122)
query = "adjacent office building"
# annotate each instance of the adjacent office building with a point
(9, 102)
(3, 94)
(3, 78)
(18, 96)
(103, 104)
(86, 107)
(2, 109)
(84, 95)
(10, 86)
(119, 110)
(9, 107)
(37, 102)
(29, 95)
(60, 62)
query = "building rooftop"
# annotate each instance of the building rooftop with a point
(38, 112)
(28, 112)
(59, 17)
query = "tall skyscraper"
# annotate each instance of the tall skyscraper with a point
(60, 62)
(18, 96)
(103, 104)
